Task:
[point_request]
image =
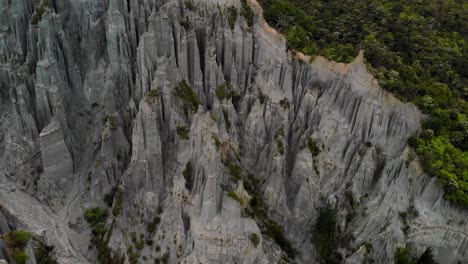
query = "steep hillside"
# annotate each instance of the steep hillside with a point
(148, 131)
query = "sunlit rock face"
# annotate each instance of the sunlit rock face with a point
(96, 111)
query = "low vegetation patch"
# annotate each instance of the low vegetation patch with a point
(255, 239)
(154, 93)
(213, 117)
(43, 253)
(16, 243)
(188, 176)
(325, 235)
(258, 210)
(133, 256)
(232, 16)
(226, 119)
(110, 121)
(190, 5)
(284, 103)
(247, 13)
(223, 91)
(40, 9)
(118, 202)
(185, 23)
(216, 140)
(269, 227)
(450, 164)
(404, 256)
(183, 132)
(97, 217)
(235, 170)
(312, 146)
(186, 93)
(17, 239)
(236, 197)
(153, 225)
(280, 146)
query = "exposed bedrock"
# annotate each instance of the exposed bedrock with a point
(148, 108)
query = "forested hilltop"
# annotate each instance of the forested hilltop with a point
(418, 50)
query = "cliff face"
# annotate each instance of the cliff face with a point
(80, 129)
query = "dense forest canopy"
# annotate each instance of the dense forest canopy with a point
(418, 50)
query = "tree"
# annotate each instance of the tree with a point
(402, 256)
(426, 257)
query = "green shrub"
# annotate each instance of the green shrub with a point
(153, 225)
(117, 209)
(223, 91)
(284, 103)
(402, 256)
(183, 132)
(247, 13)
(188, 176)
(40, 10)
(133, 256)
(280, 132)
(43, 254)
(165, 258)
(139, 244)
(98, 231)
(280, 146)
(226, 118)
(185, 23)
(236, 97)
(110, 120)
(20, 257)
(186, 93)
(236, 197)
(259, 208)
(133, 237)
(324, 236)
(213, 117)
(312, 146)
(276, 231)
(189, 5)
(368, 247)
(216, 140)
(16, 242)
(232, 16)
(442, 159)
(154, 93)
(17, 239)
(271, 228)
(427, 257)
(255, 239)
(95, 215)
(235, 170)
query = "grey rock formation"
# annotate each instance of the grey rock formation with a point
(80, 129)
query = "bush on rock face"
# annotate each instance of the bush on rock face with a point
(17, 238)
(255, 239)
(16, 242)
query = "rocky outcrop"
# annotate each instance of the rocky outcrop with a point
(162, 111)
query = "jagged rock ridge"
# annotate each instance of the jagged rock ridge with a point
(79, 123)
